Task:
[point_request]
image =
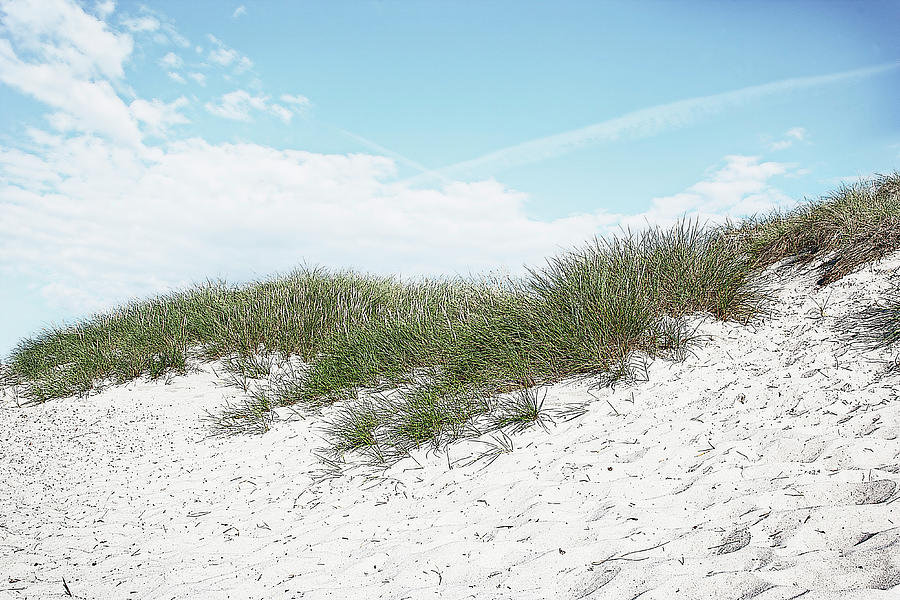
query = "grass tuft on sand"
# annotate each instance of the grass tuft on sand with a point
(424, 362)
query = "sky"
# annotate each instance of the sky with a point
(147, 146)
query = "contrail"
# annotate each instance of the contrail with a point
(645, 122)
(426, 172)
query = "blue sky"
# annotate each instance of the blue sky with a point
(146, 146)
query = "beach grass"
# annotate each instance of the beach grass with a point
(585, 312)
(891, 330)
(408, 363)
(856, 224)
(877, 326)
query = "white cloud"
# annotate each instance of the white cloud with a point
(83, 105)
(244, 64)
(222, 56)
(169, 33)
(737, 189)
(102, 224)
(157, 116)
(281, 112)
(200, 78)
(797, 133)
(165, 32)
(296, 100)
(141, 24)
(239, 12)
(792, 135)
(176, 77)
(171, 60)
(104, 8)
(70, 57)
(70, 61)
(59, 32)
(238, 105)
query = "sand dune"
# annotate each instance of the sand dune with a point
(764, 466)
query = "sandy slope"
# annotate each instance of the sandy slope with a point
(764, 467)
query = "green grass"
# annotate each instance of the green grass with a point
(290, 316)
(586, 312)
(425, 362)
(520, 410)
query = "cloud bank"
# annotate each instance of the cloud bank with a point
(94, 223)
(92, 212)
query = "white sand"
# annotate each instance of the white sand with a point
(763, 467)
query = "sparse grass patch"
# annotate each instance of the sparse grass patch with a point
(877, 326)
(891, 323)
(286, 389)
(429, 414)
(520, 411)
(353, 428)
(855, 225)
(254, 413)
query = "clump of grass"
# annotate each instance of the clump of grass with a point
(353, 428)
(587, 312)
(167, 361)
(855, 225)
(387, 427)
(429, 414)
(286, 389)
(519, 411)
(618, 296)
(877, 326)
(253, 413)
(891, 323)
(242, 371)
(675, 338)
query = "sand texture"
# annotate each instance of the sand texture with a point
(764, 466)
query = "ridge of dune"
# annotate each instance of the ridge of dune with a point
(763, 466)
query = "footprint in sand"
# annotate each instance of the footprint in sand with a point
(737, 539)
(873, 492)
